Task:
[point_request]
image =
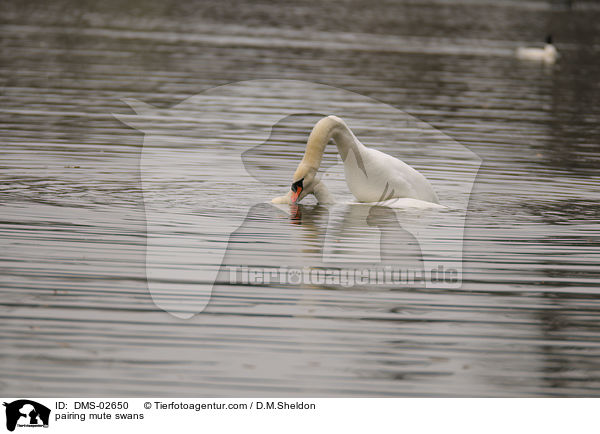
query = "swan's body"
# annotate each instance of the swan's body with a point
(547, 54)
(371, 175)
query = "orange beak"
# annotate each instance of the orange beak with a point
(296, 194)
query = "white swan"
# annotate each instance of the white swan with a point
(547, 54)
(371, 175)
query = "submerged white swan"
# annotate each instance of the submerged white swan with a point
(547, 54)
(371, 175)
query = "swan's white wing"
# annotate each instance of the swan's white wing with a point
(393, 178)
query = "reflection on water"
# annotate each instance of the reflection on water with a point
(343, 237)
(76, 312)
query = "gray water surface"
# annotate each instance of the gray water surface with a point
(77, 315)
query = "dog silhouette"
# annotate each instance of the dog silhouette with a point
(33, 411)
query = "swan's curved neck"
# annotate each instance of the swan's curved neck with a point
(326, 129)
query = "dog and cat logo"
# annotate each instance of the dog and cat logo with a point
(26, 413)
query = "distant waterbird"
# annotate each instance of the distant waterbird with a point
(548, 54)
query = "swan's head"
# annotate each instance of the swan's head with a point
(303, 184)
(297, 190)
